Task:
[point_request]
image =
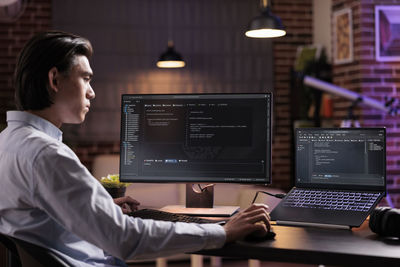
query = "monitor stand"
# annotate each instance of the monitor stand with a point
(200, 202)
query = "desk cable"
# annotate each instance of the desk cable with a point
(270, 194)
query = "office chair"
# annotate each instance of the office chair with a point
(25, 254)
(12, 251)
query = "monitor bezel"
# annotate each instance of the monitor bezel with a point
(195, 180)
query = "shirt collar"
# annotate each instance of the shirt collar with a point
(22, 117)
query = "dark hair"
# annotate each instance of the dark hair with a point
(43, 52)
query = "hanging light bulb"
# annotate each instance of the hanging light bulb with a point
(170, 58)
(267, 25)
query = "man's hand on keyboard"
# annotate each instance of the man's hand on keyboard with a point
(127, 204)
(247, 221)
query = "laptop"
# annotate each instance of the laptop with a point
(340, 176)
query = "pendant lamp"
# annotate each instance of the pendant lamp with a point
(170, 58)
(266, 25)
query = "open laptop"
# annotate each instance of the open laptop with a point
(340, 176)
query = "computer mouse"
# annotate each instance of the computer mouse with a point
(256, 237)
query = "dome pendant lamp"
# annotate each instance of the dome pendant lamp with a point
(170, 58)
(266, 25)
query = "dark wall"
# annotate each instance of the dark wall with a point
(129, 36)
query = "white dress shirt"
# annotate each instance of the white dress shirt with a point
(49, 198)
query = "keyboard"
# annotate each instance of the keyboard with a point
(331, 199)
(168, 216)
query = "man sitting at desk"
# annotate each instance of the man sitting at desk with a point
(47, 197)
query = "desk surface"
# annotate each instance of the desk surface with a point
(357, 247)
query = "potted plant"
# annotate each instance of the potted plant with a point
(113, 186)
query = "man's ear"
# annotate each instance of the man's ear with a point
(53, 77)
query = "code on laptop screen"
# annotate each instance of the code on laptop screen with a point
(345, 156)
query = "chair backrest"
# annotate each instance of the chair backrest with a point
(31, 255)
(12, 251)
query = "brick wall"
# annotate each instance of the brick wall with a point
(348, 75)
(13, 35)
(373, 79)
(129, 37)
(297, 17)
(240, 56)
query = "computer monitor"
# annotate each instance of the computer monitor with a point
(196, 138)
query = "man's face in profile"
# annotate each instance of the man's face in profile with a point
(75, 92)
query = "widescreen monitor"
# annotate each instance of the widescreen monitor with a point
(196, 138)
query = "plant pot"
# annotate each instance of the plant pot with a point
(116, 192)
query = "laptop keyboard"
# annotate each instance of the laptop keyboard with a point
(168, 216)
(331, 199)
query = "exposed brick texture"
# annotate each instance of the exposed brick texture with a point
(219, 57)
(13, 35)
(209, 35)
(364, 75)
(297, 18)
(373, 79)
(129, 37)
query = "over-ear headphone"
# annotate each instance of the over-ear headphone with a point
(385, 221)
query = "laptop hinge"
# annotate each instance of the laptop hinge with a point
(322, 225)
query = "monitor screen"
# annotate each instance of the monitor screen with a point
(343, 157)
(199, 138)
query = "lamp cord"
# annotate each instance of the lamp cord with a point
(169, 22)
(205, 187)
(267, 193)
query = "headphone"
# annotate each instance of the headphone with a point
(385, 221)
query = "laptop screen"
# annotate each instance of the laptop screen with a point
(342, 158)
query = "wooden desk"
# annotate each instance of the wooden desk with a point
(357, 247)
